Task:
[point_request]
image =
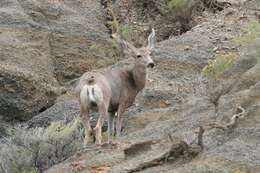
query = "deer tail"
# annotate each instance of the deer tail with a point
(91, 80)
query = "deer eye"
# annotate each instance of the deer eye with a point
(139, 56)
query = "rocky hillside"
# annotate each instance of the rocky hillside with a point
(44, 44)
(199, 112)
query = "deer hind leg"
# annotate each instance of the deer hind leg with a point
(111, 126)
(103, 113)
(119, 121)
(84, 113)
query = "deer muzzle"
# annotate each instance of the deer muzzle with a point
(151, 64)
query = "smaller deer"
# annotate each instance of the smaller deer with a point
(114, 90)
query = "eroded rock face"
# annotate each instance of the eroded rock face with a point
(44, 44)
(27, 82)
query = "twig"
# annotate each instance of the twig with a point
(234, 120)
(200, 137)
(170, 137)
(232, 123)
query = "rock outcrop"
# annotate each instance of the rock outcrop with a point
(45, 44)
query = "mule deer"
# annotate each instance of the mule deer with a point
(114, 90)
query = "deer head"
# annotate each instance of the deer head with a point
(142, 55)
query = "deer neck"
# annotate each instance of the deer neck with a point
(139, 76)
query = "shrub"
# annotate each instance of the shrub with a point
(251, 33)
(125, 31)
(181, 7)
(122, 30)
(180, 11)
(34, 150)
(257, 47)
(15, 158)
(216, 67)
(113, 25)
(250, 38)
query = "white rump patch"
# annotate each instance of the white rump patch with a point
(91, 93)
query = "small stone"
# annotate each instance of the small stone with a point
(187, 48)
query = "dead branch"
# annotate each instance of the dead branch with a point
(232, 123)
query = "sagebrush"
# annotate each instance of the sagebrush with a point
(217, 67)
(34, 150)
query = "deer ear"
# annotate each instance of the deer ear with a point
(128, 47)
(151, 40)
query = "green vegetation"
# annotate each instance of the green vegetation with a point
(179, 11)
(251, 37)
(118, 28)
(93, 46)
(217, 67)
(113, 25)
(125, 31)
(122, 30)
(257, 44)
(60, 130)
(251, 33)
(101, 52)
(114, 44)
(181, 7)
(14, 158)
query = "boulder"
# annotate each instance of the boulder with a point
(27, 82)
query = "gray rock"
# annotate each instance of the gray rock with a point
(62, 111)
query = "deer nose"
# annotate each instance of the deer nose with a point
(151, 64)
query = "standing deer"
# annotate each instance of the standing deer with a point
(114, 90)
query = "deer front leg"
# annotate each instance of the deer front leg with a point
(103, 112)
(84, 114)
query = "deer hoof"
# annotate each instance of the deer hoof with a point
(98, 143)
(86, 142)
